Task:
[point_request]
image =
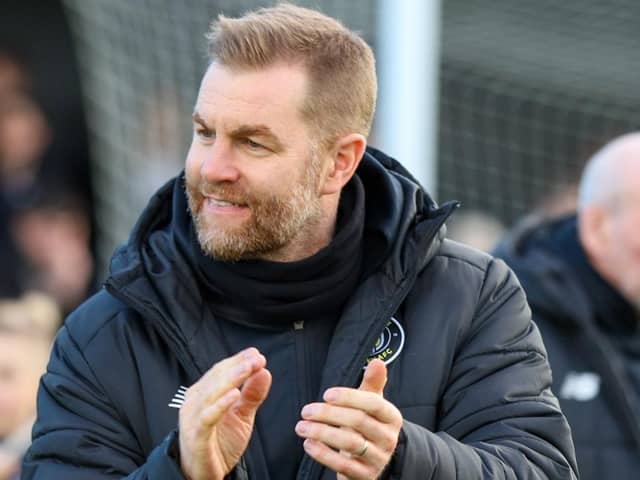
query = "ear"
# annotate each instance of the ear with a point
(594, 230)
(344, 160)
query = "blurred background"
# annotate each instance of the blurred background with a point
(495, 103)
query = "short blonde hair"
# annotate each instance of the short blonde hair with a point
(33, 315)
(341, 66)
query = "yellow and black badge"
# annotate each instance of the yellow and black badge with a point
(389, 344)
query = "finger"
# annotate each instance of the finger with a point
(371, 403)
(347, 441)
(242, 363)
(200, 430)
(253, 393)
(380, 433)
(351, 467)
(375, 377)
(212, 414)
(225, 375)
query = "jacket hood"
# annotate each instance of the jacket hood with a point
(550, 284)
(401, 219)
(400, 212)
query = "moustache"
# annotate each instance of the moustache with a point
(226, 193)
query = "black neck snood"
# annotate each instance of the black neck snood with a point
(267, 294)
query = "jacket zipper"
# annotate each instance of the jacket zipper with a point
(302, 380)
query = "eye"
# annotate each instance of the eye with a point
(205, 133)
(252, 145)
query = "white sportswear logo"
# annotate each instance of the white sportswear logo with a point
(178, 398)
(580, 386)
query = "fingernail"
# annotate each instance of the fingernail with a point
(330, 395)
(308, 411)
(301, 427)
(257, 360)
(250, 353)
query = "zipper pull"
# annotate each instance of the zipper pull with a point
(299, 325)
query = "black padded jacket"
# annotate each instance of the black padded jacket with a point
(468, 369)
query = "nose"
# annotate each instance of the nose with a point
(218, 164)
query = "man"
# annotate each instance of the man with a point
(582, 278)
(296, 260)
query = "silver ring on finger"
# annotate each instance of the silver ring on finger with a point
(363, 450)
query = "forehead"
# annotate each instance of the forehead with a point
(271, 96)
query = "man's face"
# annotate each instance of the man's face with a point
(252, 174)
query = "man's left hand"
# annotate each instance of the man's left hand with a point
(355, 431)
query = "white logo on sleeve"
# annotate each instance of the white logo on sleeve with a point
(580, 386)
(178, 398)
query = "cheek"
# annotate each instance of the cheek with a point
(192, 164)
(11, 390)
(630, 245)
(627, 263)
(635, 266)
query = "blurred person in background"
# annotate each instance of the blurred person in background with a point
(562, 201)
(23, 138)
(275, 307)
(46, 234)
(581, 274)
(24, 131)
(52, 235)
(27, 327)
(475, 228)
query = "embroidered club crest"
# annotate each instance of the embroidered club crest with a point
(389, 344)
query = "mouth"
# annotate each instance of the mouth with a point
(225, 207)
(223, 203)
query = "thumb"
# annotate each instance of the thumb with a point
(375, 377)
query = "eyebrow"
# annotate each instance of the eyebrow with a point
(244, 131)
(198, 119)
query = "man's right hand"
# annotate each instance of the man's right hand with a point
(217, 417)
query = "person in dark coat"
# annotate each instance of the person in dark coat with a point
(581, 274)
(298, 312)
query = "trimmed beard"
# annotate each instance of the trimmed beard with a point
(274, 222)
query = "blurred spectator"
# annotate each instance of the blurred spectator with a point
(478, 229)
(561, 202)
(18, 156)
(24, 133)
(52, 236)
(27, 328)
(582, 278)
(45, 241)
